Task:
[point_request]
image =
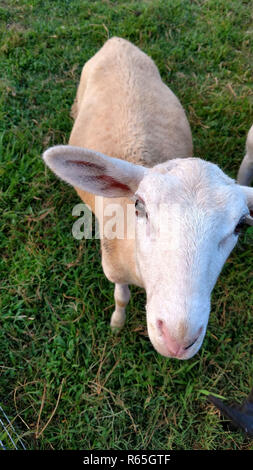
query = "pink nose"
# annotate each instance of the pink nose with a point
(174, 347)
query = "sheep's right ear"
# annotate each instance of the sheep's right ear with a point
(94, 172)
(249, 195)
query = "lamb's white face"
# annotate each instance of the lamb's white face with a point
(187, 219)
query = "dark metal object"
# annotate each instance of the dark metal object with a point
(241, 416)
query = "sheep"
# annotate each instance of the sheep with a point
(131, 144)
(245, 174)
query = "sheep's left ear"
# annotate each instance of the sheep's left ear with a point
(94, 172)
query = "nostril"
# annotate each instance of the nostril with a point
(160, 325)
(200, 331)
(162, 328)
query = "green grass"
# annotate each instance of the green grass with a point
(66, 381)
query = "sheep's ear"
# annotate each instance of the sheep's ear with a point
(94, 172)
(249, 195)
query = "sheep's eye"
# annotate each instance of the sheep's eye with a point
(240, 226)
(140, 208)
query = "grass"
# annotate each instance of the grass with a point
(66, 381)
